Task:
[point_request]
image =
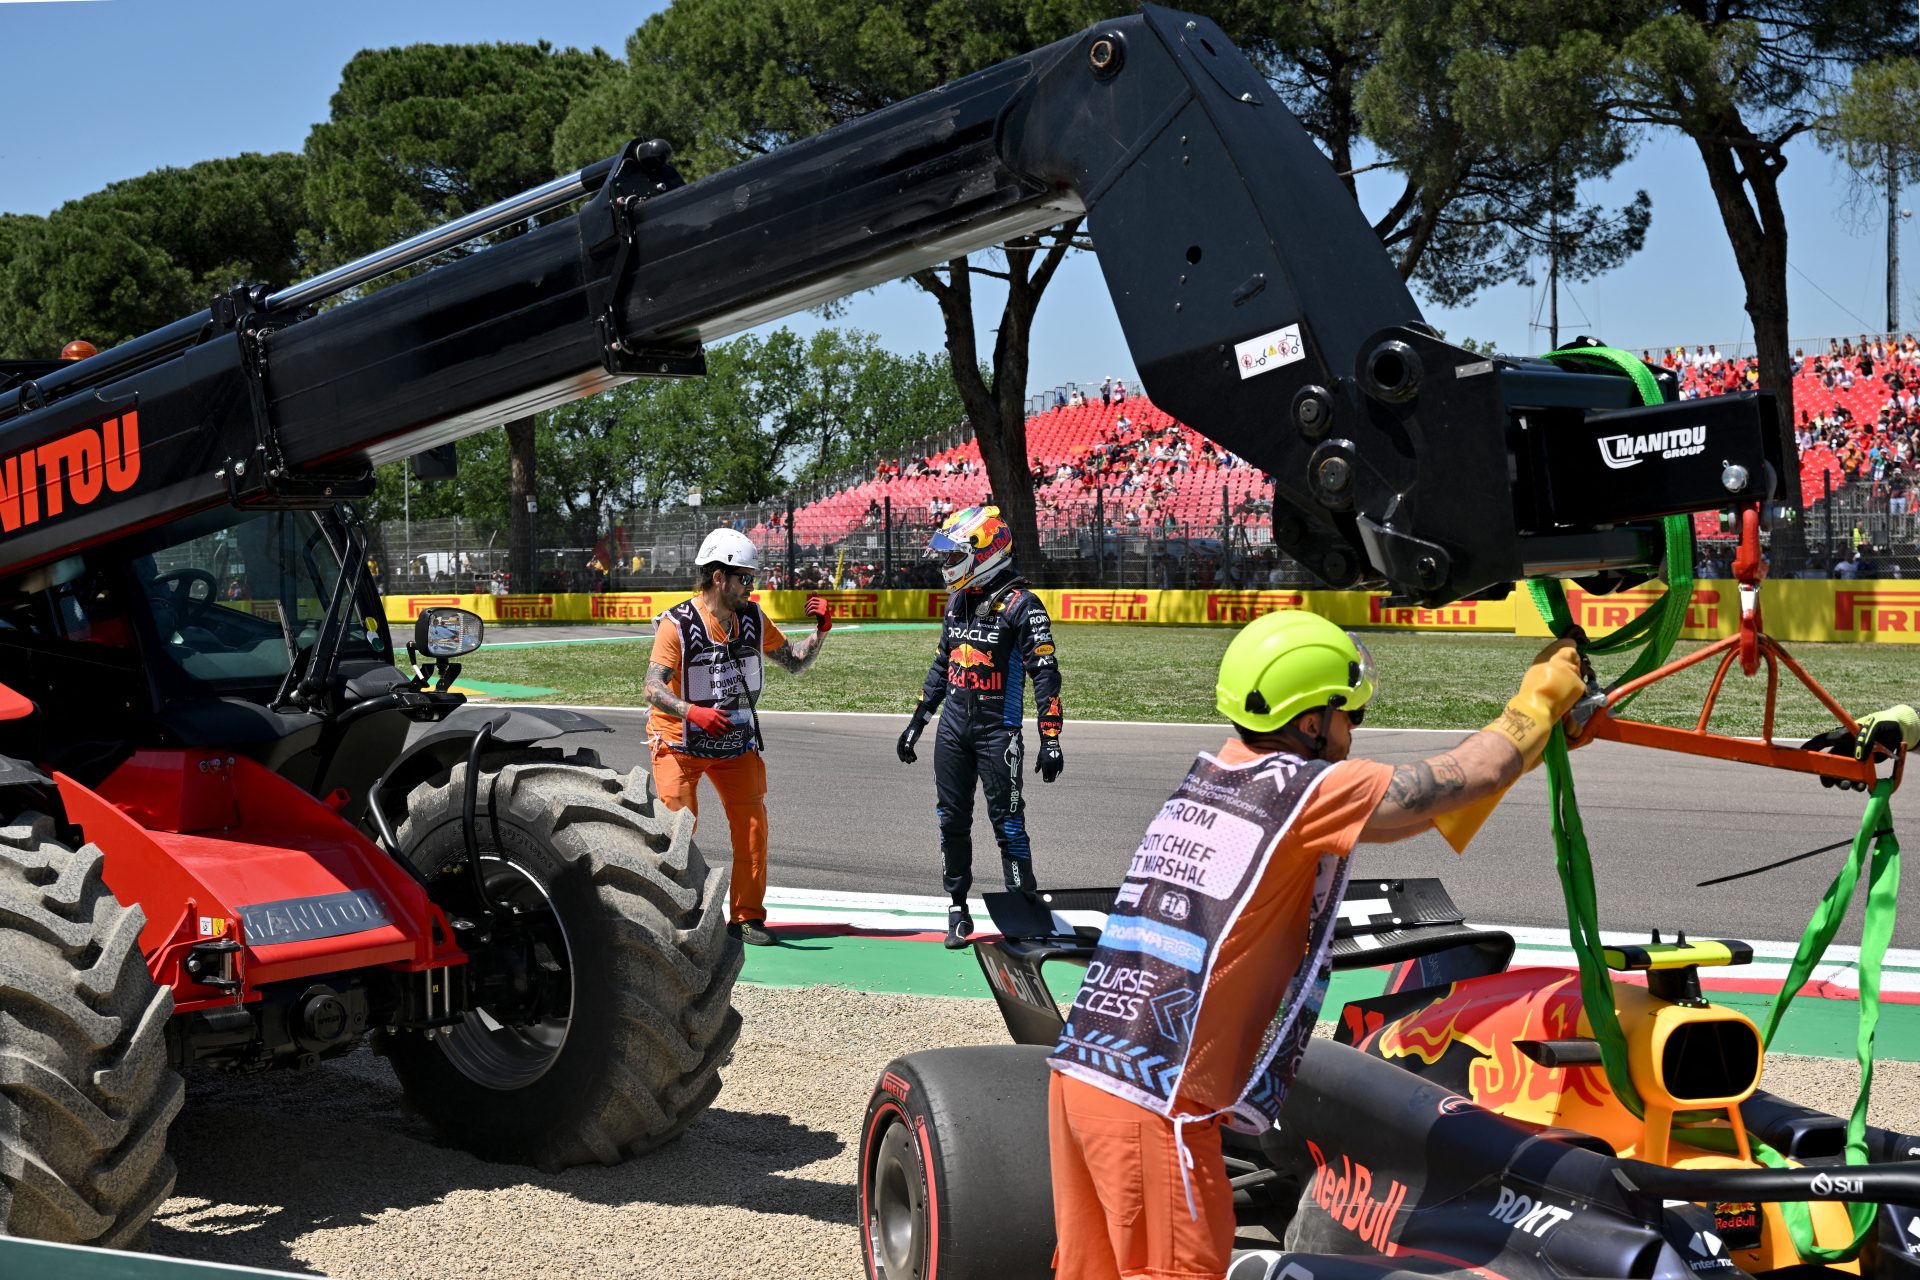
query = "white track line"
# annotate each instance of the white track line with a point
(888, 912)
(1221, 725)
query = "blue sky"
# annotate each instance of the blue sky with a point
(126, 86)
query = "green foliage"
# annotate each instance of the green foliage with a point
(1870, 124)
(771, 413)
(1483, 108)
(421, 135)
(726, 80)
(143, 252)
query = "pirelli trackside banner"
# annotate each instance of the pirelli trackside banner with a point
(1163, 608)
(1879, 611)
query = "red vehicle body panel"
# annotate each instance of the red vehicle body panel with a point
(201, 839)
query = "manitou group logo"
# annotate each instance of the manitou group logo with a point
(1245, 606)
(1104, 606)
(37, 484)
(622, 606)
(851, 604)
(1621, 452)
(1877, 612)
(523, 608)
(1382, 614)
(1347, 1195)
(1604, 613)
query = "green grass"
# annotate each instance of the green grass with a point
(1166, 674)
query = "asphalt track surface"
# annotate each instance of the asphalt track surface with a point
(846, 814)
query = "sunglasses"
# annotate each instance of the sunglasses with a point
(743, 577)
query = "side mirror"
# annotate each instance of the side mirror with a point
(447, 633)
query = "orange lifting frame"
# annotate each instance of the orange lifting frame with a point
(1752, 646)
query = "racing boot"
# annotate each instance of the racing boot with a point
(959, 925)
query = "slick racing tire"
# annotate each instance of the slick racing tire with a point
(86, 1092)
(599, 1026)
(954, 1177)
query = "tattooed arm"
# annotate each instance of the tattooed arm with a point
(1481, 766)
(660, 693)
(797, 655)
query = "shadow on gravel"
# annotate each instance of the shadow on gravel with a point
(267, 1160)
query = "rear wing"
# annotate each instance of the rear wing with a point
(1410, 924)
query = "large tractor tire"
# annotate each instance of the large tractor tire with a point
(86, 1093)
(954, 1177)
(620, 1012)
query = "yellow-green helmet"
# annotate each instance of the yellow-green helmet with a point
(1290, 661)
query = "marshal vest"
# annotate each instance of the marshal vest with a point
(716, 673)
(1197, 867)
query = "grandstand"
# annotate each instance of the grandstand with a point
(1128, 463)
(1128, 496)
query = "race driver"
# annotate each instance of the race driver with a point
(1223, 924)
(994, 636)
(703, 682)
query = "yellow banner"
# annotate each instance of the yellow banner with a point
(1793, 610)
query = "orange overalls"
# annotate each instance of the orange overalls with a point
(741, 779)
(1217, 915)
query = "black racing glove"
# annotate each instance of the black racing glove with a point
(1881, 736)
(1050, 763)
(916, 724)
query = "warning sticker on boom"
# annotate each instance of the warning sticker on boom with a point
(1269, 351)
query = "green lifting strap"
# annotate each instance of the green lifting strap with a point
(1656, 630)
(1883, 891)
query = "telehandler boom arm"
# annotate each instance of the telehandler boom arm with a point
(1258, 305)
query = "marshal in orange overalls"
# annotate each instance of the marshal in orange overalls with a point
(735, 769)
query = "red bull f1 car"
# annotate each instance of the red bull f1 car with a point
(1460, 1124)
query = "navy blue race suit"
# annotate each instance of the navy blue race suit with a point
(991, 643)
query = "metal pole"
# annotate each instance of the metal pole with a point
(886, 541)
(528, 204)
(1100, 536)
(1826, 481)
(406, 509)
(1893, 243)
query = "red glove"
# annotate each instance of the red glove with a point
(709, 720)
(817, 609)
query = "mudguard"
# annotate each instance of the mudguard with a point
(446, 742)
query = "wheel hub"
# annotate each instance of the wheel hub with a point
(524, 1006)
(897, 1219)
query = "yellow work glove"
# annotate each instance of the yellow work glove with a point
(1547, 693)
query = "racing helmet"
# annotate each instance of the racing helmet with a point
(729, 547)
(1287, 662)
(975, 545)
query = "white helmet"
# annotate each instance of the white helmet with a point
(729, 547)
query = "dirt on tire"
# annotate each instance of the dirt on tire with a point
(86, 1093)
(652, 972)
